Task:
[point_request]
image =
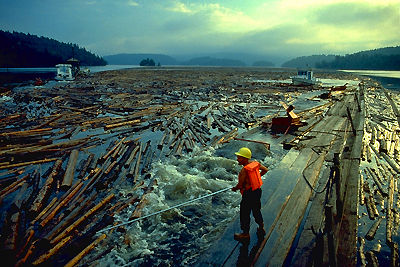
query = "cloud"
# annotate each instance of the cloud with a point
(179, 8)
(132, 3)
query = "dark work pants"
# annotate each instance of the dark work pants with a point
(251, 202)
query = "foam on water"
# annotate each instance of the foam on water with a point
(177, 237)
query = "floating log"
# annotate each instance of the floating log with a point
(361, 190)
(46, 189)
(369, 203)
(389, 213)
(9, 166)
(372, 259)
(86, 166)
(391, 162)
(45, 210)
(363, 259)
(69, 218)
(52, 251)
(25, 133)
(394, 255)
(12, 187)
(377, 181)
(29, 236)
(81, 219)
(109, 153)
(372, 231)
(20, 197)
(48, 122)
(54, 210)
(70, 171)
(131, 157)
(11, 239)
(84, 252)
(138, 210)
(121, 124)
(135, 174)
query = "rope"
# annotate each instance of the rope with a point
(161, 211)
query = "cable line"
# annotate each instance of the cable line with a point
(161, 211)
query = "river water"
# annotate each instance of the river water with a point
(389, 79)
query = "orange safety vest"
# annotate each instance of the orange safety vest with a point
(253, 172)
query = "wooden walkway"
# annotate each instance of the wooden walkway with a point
(310, 200)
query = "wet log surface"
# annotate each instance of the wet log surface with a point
(78, 142)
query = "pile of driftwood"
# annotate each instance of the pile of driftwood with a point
(379, 180)
(65, 148)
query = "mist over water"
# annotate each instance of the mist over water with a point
(179, 236)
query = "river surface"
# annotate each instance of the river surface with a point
(388, 78)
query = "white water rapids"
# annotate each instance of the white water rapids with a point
(179, 236)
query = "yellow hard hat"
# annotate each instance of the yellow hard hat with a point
(244, 152)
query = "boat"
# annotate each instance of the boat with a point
(64, 72)
(305, 77)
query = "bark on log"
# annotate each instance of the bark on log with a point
(70, 171)
(108, 154)
(45, 210)
(46, 189)
(377, 182)
(361, 251)
(15, 165)
(81, 219)
(12, 187)
(121, 124)
(61, 204)
(362, 200)
(86, 166)
(11, 239)
(84, 252)
(67, 220)
(48, 122)
(391, 162)
(389, 213)
(29, 235)
(372, 259)
(131, 157)
(372, 231)
(137, 166)
(394, 257)
(52, 251)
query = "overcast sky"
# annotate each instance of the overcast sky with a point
(174, 27)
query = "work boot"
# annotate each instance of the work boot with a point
(261, 230)
(243, 237)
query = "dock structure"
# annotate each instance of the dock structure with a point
(310, 203)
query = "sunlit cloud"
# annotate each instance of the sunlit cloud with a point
(132, 3)
(179, 8)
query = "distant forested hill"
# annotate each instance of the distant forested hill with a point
(378, 59)
(262, 63)
(26, 50)
(308, 61)
(210, 61)
(135, 59)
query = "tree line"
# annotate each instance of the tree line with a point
(387, 58)
(362, 62)
(26, 50)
